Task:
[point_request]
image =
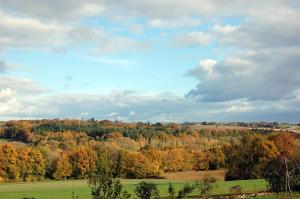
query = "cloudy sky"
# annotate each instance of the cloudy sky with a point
(150, 60)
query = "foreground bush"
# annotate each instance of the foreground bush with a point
(103, 185)
(205, 186)
(147, 190)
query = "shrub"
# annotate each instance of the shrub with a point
(103, 185)
(205, 186)
(75, 196)
(171, 191)
(147, 190)
(187, 189)
(125, 195)
(235, 190)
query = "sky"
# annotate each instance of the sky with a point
(150, 60)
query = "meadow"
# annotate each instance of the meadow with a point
(64, 189)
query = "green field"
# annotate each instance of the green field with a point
(64, 189)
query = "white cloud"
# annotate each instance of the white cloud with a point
(225, 29)
(136, 28)
(29, 32)
(263, 75)
(21, 85)
(236, 109)
(117, 44)
(32, 33)
(54, 9)
(6, 95)
(207, 65)
(174, 23)
(132, 113)
(193, 39)
(264, 64)
(264, 28)
(124, 105)
(101, 42)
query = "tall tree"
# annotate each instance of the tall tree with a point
(24, 163)
(83, 160)
(63, 167)
(8, 162)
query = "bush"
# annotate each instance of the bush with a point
(147, 190)
(187, 189)
(125, 195)
(205, 186)
(103, 185)
(75, 196)
(235, 190)
(171, 191)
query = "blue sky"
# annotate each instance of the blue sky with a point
(151, 60)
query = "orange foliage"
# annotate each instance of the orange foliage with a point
(138, 165)
(83, 161)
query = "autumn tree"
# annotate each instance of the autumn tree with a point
(153, 154)
(63, 167)
(173, 160)
(285, 143)
(201, 160)
(244, 160)
(38, 164)
(24, 164)
(139, 166)
(8, 163)
(217, 158)
(118, 164)
(83, 160)
(285, 164)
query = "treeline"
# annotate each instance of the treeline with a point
(23, 163)
(98, 129)
(73, 154)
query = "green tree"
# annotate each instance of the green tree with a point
(185, 191)
(205, 186)
(245, 160)
(171, 191)
(118, 164)
(147, 190)
(274, 173)
(103, 185)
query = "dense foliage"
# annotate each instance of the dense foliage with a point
(70, 149)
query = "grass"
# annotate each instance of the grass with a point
(64, 189)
